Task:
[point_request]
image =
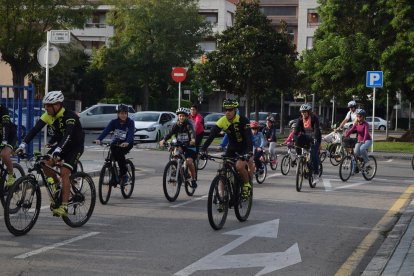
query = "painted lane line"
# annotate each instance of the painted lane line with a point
(53, 246)
(189, 201)
(351, 185)
(274, 175)
(327, 184)
(389, 160)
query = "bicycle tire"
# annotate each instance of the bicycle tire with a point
(189, 190)
(18, 172)
(170, 186)
(285, 164)
(345, 168)
(369, 172)
(299, 174)
(126, 190)
(261, 177)
(336, 158)
(273, 166)
(22, 206)
(201, 162)
(242, 206)
(81, 201)
(105, 183)
(322, 156)
(412, 162)
(218, 206)
(78, 167)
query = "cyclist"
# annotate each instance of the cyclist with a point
(351, 115)
(269, 132)
(9, 139)
(122, 142)
(198, 122)
(364, 140)
(70, 142)
(308, 134)
(290, 139)
(239, 134)
(258, 144)
(184, 132)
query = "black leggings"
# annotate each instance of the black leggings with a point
(119, 155)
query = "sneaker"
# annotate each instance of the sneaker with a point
(10, 180)
(193, 184)
(315, 179)
(246, 190)
(220, 207)
(61, 211)
(124, 180)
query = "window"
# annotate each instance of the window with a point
(279, 11)
(230, 19)
(309, 42)
(212, 18)
(208, 46)
(313, 18)
(109, 110)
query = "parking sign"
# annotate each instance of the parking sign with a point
(374, 79)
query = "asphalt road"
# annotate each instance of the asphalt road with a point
(318, 231)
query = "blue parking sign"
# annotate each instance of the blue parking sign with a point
(374, 79)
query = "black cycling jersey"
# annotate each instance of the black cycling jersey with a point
(269, 133)
(238, 132)
(66, 126)
(184, 132)
(7, 128)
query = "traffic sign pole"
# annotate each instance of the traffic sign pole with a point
(179, 94)
(373, 119)
(374, 79)
(179, 74)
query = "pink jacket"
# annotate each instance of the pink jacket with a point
(362, 130)
(198, 123)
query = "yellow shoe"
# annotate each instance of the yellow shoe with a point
(10, 180)
(61, 211)
(246, 190)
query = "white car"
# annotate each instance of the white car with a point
(98, 116)
(379, 123)
(153, 125)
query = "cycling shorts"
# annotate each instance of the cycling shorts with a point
(190, 152)
(69, 156)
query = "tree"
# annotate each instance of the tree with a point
(251, 58)
(152, 36)
(23, 26)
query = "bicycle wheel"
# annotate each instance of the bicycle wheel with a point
(369, 171)
(285, 164)
(322, 156)
(336, 154)
(187, 183)
(201, 162)
(412, 162)
(79, 167)
(242, 206)
(18, 172)
(128, 188)
(345, 169)
(171, 185)
(299, 174)
(261, 174)
(105, 183)
(82, 199)
(22, 206)
(218, 202)
(273, 161)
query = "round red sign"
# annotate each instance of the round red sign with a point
(178, 74)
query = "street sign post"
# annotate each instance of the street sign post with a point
(374, 79)
(179, 74)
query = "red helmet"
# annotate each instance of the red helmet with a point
(254, 124)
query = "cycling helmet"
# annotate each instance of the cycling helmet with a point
(122, 108)
(293, 123)
(254, 124)
(182, 110)
(305, 107)
(230, 103)
(361, 112)
(53, 97)
(270, 119)
(352, 104)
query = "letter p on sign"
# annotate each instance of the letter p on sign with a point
(374, 79)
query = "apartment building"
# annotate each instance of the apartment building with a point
(308, 22)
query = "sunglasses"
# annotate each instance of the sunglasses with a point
(229, 109)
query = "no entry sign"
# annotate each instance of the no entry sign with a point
(178, 74)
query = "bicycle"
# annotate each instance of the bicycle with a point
(305, 169)
(333, 148)
(201, 161)
(261, 171)
(226, 191)
(289, 160)
(109, 177)
(18, 172)
(270, 159)
(23, 201)
(176, 173)
(351, 165)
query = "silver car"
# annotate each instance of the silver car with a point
(98, 116)
(153, 125)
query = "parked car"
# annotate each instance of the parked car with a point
(153, 125)
(98, 116)
(210, 121)
(262, 118)
(379, 123)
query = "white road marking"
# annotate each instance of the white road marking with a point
(329, 188)
(189, 201)
(53, 246)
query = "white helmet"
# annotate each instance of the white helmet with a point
(352, 104)
(53, 97)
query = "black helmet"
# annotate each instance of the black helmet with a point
(293, 123)
(361, 112)
(122, 108)
(230, 103)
